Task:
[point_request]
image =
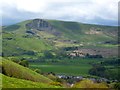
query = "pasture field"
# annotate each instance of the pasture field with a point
(67, 67)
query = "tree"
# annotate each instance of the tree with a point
(37, 70)
(97, 70)
(48, 54)
(24, 63)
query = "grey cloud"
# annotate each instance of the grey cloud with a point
(68, 11)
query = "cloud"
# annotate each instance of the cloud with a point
(93, 11)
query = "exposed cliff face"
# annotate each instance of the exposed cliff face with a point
(39, 24)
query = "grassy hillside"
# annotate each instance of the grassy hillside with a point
(10, 82)
(17, 42)
(12, 69)
(77, 31)
(16, 76)
(72, 30)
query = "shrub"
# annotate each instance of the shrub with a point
(89, 84)
(48, 54)
(52, 77)
(56, 84)
(24, 63)
(97, 70)
(117, 86)
(37, 70)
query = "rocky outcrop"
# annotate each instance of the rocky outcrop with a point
(39, 24)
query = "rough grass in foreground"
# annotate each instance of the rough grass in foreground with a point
(9, 82)
(14, 70)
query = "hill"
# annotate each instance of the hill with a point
(33, 37)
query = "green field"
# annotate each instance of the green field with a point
(68, 67)
(63, 69)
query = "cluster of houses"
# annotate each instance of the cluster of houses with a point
(77, 53)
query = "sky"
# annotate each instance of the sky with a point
(104, 12)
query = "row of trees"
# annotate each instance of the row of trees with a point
(17, 53)
(93, 56)
(99, 70)
(111, 62)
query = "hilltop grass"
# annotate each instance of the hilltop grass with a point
(14, 70)
(76, 31)
(10, 82)
(71, 30)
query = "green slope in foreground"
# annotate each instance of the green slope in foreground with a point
(17, 76)
(14, 70)
(10, 82)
